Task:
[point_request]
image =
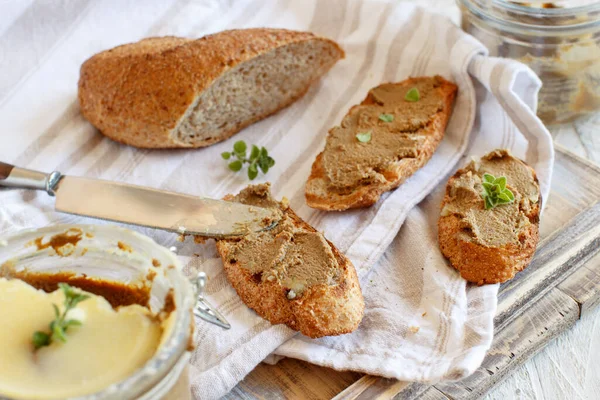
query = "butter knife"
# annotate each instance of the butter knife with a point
(137, 205)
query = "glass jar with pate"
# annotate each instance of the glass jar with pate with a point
(136, 290)
(559, 41)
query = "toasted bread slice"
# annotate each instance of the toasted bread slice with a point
(490, 245)
(291, 274)
(173, 92)
(353, 172)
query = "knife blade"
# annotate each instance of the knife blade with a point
(143, 206)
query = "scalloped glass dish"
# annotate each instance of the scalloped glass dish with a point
(111, 253)
(559, 41)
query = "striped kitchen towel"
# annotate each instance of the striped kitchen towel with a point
(422, 321)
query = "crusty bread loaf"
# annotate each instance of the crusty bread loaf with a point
(292, 275)
(350, 173)
(490, 245)
(171, 92)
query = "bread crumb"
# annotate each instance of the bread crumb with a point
(181, 238)
(414, 329)
(424, 314)
(200, 240)
(285, 202)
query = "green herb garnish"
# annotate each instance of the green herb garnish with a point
(258, 159)
(364, 137)
(60, 324)
(495, 192)
(412, 95)
(386, 117)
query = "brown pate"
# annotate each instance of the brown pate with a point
(348, 162)
(503, 224)
(297, 259)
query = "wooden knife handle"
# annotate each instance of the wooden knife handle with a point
(5, 170)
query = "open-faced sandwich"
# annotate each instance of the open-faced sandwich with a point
(291, 274)
(380, 143)
(489, 223)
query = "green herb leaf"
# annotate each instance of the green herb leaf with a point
(488, 178)
(504, 198)
(412, 95)
(501, 182)
(72, 322)
(510, 195)
(58, 332)
(263, 152)
(386, 117)
(263, 163)
(240, 147)
(226, 155)
(255, 153)
(40, 339)
(235, 166)
(364, 137)
(252, 171)
(495, 191)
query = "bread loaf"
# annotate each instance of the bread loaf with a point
(169, 92)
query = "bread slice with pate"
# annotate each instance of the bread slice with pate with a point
(167, 92)
(490, 244)
(291, 274)
(380, 143)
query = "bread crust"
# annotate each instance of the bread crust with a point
(487, 264)
(398, 172)
(321, 310)
(138, 93)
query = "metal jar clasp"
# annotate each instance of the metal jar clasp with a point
(203, 309)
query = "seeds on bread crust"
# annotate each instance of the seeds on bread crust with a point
(380, 143)
(292, 274)
(490, 245)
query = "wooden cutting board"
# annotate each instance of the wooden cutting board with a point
(561, 284)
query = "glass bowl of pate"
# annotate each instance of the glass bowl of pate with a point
(135, 328)
(559, 41)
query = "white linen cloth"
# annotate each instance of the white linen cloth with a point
(422, 321)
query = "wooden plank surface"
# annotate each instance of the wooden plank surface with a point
(532, 307)
(292, 379)
(518, 341)
(563, 252)
(583, 285)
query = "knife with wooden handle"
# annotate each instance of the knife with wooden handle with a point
(137, 205)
